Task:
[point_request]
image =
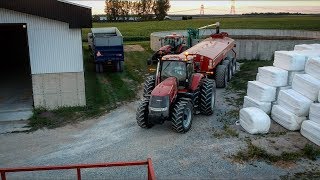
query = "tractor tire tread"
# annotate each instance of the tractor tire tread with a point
(207, 90)
(220, 76)
(149, 85)
(177, 116)
(142, 114)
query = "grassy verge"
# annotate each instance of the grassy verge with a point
(256, 153)
(140, 31)
(104, 92)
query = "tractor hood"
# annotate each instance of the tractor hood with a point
(165, 48)
(168, 87)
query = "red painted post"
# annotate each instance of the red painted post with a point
(151, 175)
(78, 173)
(3, 175)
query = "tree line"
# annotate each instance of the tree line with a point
(123, 10)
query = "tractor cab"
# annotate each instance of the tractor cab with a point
(170, 44)
(174, 40)
(176, 66)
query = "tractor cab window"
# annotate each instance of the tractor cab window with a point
(170, 41)
(174, 69)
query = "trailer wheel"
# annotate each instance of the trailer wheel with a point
(119, 66)
(221, 76)
(142, 114)
(99, 68)
(149, 85)
(228, 63)
(181, 116)
(207, 96)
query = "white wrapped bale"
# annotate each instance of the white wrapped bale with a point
(254, 120)
(309, 53)
(291, 75)
(257, 77)
(294, 102)
(313, 67)
(306, 85)
(315, 46)
(301, 47)
(289, 60)
(314, 114)
(261, 92)
(286, 119)
(250, 102)
(311, 131)
(273, 76)
(319, 97)
(281, 88)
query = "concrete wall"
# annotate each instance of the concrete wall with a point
(253, 48)
(58, 90)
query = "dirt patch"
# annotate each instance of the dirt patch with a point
(131, 48)
(290, 142)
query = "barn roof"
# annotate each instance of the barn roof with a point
(76, 15)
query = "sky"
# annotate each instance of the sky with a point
(223, 7)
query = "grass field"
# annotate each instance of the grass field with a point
(136, 31)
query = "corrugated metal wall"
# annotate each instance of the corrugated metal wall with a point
(53, 47)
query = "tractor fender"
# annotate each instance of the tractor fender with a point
(195, 81)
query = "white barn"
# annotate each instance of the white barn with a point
(41, 54)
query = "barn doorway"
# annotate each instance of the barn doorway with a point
(16, 98)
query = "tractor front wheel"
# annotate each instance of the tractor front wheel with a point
(142, 114)
(149, 85)
(221, 76)
(181, 116)
(207, 96)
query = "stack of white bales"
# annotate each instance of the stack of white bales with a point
(273, 87)
(311, 128)
(292, 104)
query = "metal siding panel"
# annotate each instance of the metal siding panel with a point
(53, 47)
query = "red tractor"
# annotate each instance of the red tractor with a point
(175, 93)
(181, 86)
(171, 44)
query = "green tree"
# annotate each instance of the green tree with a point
(161, 9)
(113, 9)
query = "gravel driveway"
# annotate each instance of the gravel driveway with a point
(197, 154)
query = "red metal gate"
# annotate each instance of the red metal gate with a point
(78, 167)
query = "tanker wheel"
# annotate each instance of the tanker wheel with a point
(207, 96)
(221, 76)
(149, 85)
(228, 63)
(234, 66)
(181, 116)
(142, 114)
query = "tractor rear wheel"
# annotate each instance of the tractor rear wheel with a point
(229, 64)
(221, 76)
(182, 115)
(149, 85)
(142, 114)
(207, 96)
